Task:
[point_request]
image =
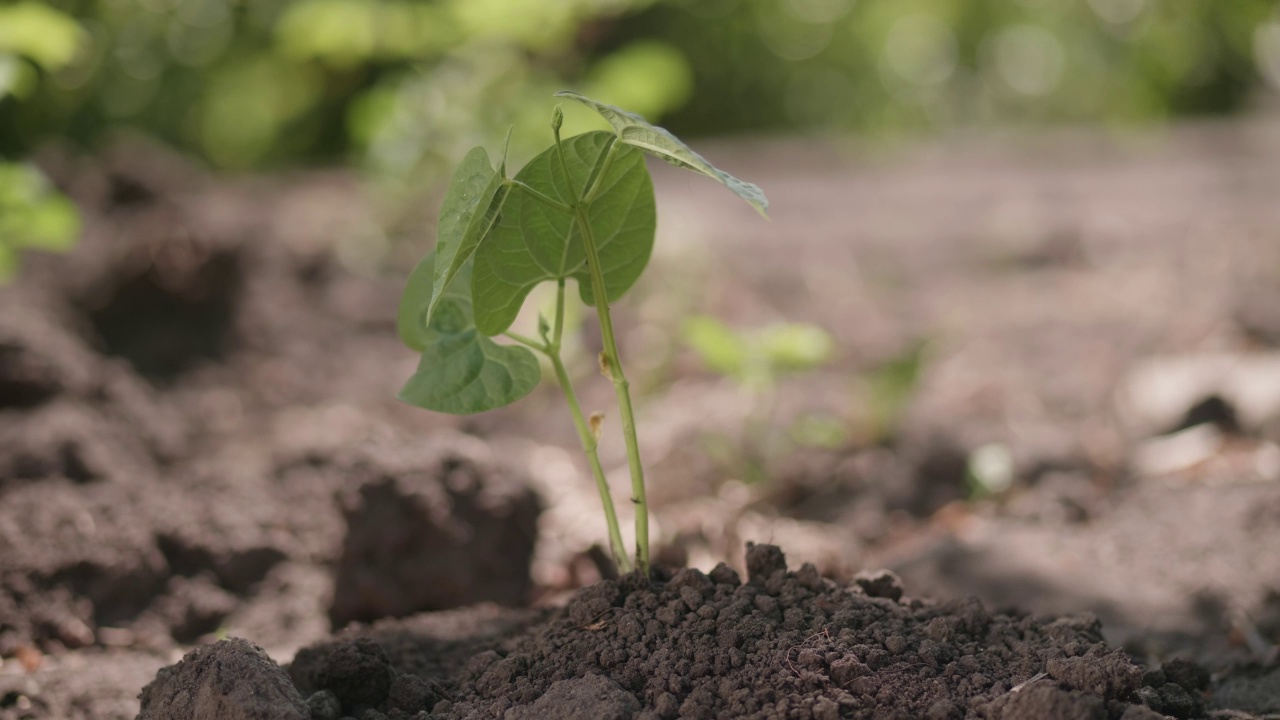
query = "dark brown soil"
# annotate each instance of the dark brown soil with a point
(781, 645)
(198, 440)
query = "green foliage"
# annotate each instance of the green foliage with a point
(34, 35)
(400, 87)
(535, 242)
(895, 66)
(759, 356)
(498, 238)
(32, 215)
(461, 371)
(757, 359)
(887, 390)
(40, 33)
(396, 85)
(635, 131)
(582, 209)
(469, 213)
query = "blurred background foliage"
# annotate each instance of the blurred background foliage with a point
(403, 85)
(402, 88)
(32, 215)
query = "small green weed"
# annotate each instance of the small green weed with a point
(756, 360)
(582, 209)
(33, 215)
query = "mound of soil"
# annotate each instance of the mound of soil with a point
(691, 645)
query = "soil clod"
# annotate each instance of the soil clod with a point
(229, 680)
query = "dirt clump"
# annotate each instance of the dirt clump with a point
(693, 645)
(434, 535)
(229, 680)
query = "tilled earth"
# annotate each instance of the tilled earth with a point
(782, 645)
(198, 440)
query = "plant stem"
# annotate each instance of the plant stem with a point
(586, 437)
(564, 166)
(526, 341)
(620, 385)
(542, 198)
(598, 172)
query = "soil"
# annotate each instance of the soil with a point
(782, 645)
(199, 440)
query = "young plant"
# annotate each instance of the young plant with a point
(582, 209)
(33, 216)
(756, 359)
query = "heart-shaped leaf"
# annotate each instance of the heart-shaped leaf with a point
(534, 242)
(461, 371)
(470, 210)
(636, 131)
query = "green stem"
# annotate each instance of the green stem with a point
(564, 166)
(597, 174)
(542, 197)
(620, 385)
(587, 438)
(526, 341)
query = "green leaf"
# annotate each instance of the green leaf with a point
(533, 242)
(471, 208)
(635, 130)
(461, 371)
(411, 321)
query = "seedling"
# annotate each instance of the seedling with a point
(33, 216)
(582, 209)
(756, 360)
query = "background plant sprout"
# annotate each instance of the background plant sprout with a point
(33, 216)
(756, 359)
(582, 209)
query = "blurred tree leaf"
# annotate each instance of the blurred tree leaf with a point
(17, 77)
(341, 32)
(649, 76)
(47, 36)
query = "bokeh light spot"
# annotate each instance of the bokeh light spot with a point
(1118, 12)
(921, 50)
(1266, 52)
(819, 11)
(1029, 59)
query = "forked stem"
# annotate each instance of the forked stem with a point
(611, 361)
(585, 435)
(622, 388)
